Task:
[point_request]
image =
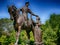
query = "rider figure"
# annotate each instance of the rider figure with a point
(25, 10)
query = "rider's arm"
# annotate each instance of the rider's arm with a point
(32, 13)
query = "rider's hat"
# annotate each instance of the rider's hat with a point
(27, 3)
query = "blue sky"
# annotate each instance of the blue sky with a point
(43, 8)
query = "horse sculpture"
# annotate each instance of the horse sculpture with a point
(19, 24)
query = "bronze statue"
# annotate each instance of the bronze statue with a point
(22, 22)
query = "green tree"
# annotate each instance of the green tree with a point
(51, 30)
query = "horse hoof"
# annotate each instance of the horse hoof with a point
(15, 44)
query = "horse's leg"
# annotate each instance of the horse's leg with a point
(28, 35)
(17, 34)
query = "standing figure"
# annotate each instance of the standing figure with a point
(38, 32)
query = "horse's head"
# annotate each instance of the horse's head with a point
(12, 10)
